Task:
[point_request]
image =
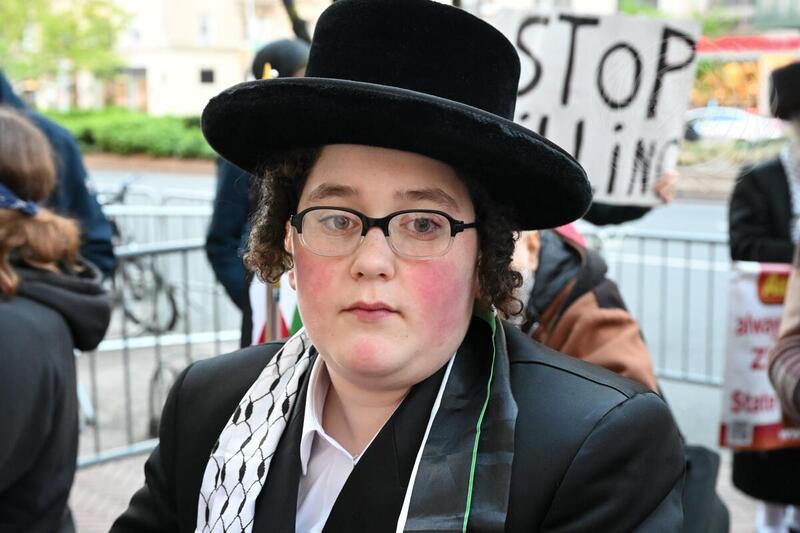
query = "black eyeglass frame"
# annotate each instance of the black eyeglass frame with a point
(367, 223)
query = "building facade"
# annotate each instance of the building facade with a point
(179, 53)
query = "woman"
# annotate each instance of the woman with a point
(51, 302)
(404, 404)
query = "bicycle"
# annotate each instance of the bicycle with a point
(145, 296)
(148, 300)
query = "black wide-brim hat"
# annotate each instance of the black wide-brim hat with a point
(784, 96)
(413, 75)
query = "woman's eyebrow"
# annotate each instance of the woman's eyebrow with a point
(434, 195)
(330, 190)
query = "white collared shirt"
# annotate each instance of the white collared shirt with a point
(325, 464)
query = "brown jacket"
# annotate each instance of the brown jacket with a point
(576, 310)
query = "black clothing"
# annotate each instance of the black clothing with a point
(760, 230)
(228, 230)
(373, 62)
(769, 476)
(601, 214)
(595, 451)
(760, 215)
(50, 315)
(784, 91)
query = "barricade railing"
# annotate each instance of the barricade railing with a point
(170, 311)
(147, 224)
(676, 286)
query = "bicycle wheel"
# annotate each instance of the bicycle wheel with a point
(148, 300)
(160, 384)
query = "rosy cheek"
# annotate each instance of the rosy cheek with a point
(314, 277)
(443, 290)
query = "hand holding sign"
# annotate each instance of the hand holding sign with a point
(665, 186)
(611, 90)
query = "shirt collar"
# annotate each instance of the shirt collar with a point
(318, 385)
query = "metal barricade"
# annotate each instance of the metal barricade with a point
(123, 384)
(676, 286)
(147, 224)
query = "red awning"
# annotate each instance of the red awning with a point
(748, 43)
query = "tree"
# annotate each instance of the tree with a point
(41, 37)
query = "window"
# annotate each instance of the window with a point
(206, 76)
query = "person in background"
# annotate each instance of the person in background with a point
(571, 306)
(784, 373)
(71, 196)
(765, 203)
(51, 302)
(763, 211)
(602, 214)
(404, 404)
(234, 201)
(784, 362)
(784, 370)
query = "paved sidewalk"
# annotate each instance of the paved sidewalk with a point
(102, 492)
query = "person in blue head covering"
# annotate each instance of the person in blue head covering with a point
(71, 196)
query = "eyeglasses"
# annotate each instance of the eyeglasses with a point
(413, 233)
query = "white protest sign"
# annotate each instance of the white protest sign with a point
(611, 90)
(751, 412)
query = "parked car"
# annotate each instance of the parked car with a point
(729, 124)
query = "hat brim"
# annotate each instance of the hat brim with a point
(540, 183)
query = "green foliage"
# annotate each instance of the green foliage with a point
(715, 23)
(39, 36)
(129, 132)
(639, 7)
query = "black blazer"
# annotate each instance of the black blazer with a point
(593, 452)
(760, 215)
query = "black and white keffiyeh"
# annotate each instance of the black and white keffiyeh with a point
(240, 459)
(463, 469)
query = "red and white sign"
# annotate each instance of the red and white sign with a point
(751, 412)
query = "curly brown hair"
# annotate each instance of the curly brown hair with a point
(282, 181)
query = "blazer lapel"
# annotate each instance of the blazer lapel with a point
(373, 495)
(276, 506)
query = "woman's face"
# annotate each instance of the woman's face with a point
(379, 320)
